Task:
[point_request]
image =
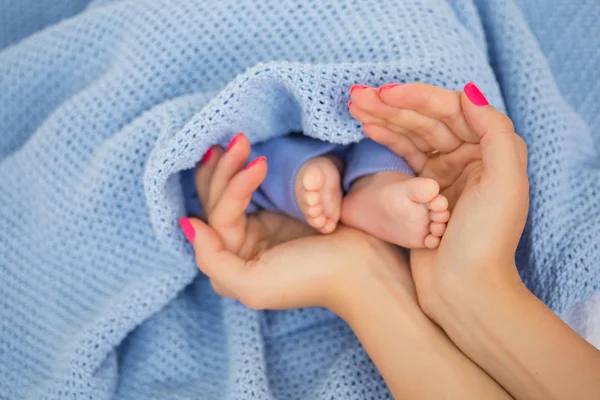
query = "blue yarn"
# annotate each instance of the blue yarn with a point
(100, 112)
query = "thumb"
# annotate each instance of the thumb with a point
(212, 257)
(503, 152)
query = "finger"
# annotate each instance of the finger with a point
(426, 133)
(230, 164)
(212, 257)
(369, 119)
(229, 212)
(502, 149)
(363, 116)
(368, 108)
(251, 282)
(437, 229)
(367, 99)
(204, 174)
(433, 132)
(433, 102)
(439, 216)
(418, 141)
(399, 144)
(432, 242)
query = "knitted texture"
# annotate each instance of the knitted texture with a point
(99, 113)
(572, 52)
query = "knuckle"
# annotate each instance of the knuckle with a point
(423, 125)
(437, 130)
(398, 117)
(403, 118)
(452, 115)
(505, 123)
(425, 99)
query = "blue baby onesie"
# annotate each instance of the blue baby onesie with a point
(286, 154)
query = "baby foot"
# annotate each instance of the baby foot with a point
(318, 192)
(397, 208)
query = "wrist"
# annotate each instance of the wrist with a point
(466, 305)
(374, 295)
(409, 350)
(377, 270)
(521, 343)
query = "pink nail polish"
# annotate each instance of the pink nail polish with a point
(187, 228)
(256, 161)
(386, 87)
(475, 95)
(235, 139)
(349, 103)
(354, 87)
(207, 156)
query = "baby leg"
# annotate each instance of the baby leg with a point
(386, 200)
(303, 180)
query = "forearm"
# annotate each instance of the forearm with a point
(522, 344)
(415, 357)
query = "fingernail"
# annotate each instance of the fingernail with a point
(207, 156)
(235, 139)
(187, 228)
(475, 95)
(354, 87)
(386, 87)
(349, 103)
(255, 161)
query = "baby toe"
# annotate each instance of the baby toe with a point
(439, 216)
(312, 198)
(329, 226)
(437, 229)
(317, 222)
(432, 242)
(438, 204)
(422, 190)
(313, 178)
(314, 211)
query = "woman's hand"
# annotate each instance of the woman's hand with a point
(470, 285)
(486, 184)
(491, 201)
(272, 261)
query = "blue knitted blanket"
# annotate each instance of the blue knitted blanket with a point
(102, 105)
